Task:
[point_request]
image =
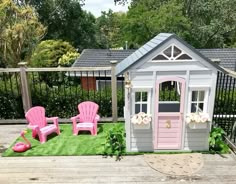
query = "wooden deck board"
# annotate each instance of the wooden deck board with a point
(99, 170)
(95, 169)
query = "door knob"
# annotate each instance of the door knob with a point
(168, 124)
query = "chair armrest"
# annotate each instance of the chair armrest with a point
(97, 117)
(54, 119)
(33, 127)
(74, 119)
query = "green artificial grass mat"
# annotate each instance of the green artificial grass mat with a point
(66, 144)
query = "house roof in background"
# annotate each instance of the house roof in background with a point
(102, 57)
(227, 56)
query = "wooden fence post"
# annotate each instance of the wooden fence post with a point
(25, 91)
(114, 91)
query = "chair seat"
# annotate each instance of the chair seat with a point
(48, 128)
(85, 125)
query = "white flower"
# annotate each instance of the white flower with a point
(188, 119)
(197, 117)
(134, 120)
(141, 118)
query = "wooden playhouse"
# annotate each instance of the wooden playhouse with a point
(168, 79)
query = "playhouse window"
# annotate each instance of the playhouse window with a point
(141, 102)
(169, 96)
(198, 101)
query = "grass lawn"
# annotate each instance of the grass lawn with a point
(66, 143)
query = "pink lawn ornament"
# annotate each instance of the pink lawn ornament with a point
(87, 118)
(21, 146)
(38, 123)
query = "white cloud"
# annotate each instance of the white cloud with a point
(96, 6)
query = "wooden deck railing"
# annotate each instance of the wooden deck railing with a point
(97, 84)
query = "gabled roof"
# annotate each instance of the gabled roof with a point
(151, 46)
(100, 57)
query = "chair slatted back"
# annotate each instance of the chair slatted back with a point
(88, 111)
(36, 116)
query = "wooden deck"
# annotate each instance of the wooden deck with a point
(96, 169)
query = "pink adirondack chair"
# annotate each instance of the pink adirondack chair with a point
(38, 123)
(87, 118)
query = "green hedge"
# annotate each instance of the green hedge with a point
(60, 99)
(63, 101)
(11, 106)
(225, 102)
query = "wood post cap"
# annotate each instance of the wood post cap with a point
(22, 63)
(113, 61)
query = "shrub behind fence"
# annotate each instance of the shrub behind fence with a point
(62, 97)
(11, 106)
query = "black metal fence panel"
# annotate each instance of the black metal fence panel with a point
(225, 105)
(11, 106)
(60, 92)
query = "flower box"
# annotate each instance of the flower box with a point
(197, 120)
(141, 121)
(141, 126)
(193, 125)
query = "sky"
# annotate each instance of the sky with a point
(96, 6)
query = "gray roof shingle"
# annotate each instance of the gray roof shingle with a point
(102, 57)
(227, 56)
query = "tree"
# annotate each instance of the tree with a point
(109, 29)
(19, 33)
(203, 23)
(53, 53)
(146, 19)
(49, 52)
(66, 20)
(213, 22)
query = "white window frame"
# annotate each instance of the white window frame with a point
(206, 97)
(134, 90)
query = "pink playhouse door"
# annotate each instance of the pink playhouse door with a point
(169, 108)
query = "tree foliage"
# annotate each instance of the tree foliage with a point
(49, 52)
(66, 20)
(53, 53)
(203, 23)
(19, 33)
(146, 19)
(109, 29)
(213, 22)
